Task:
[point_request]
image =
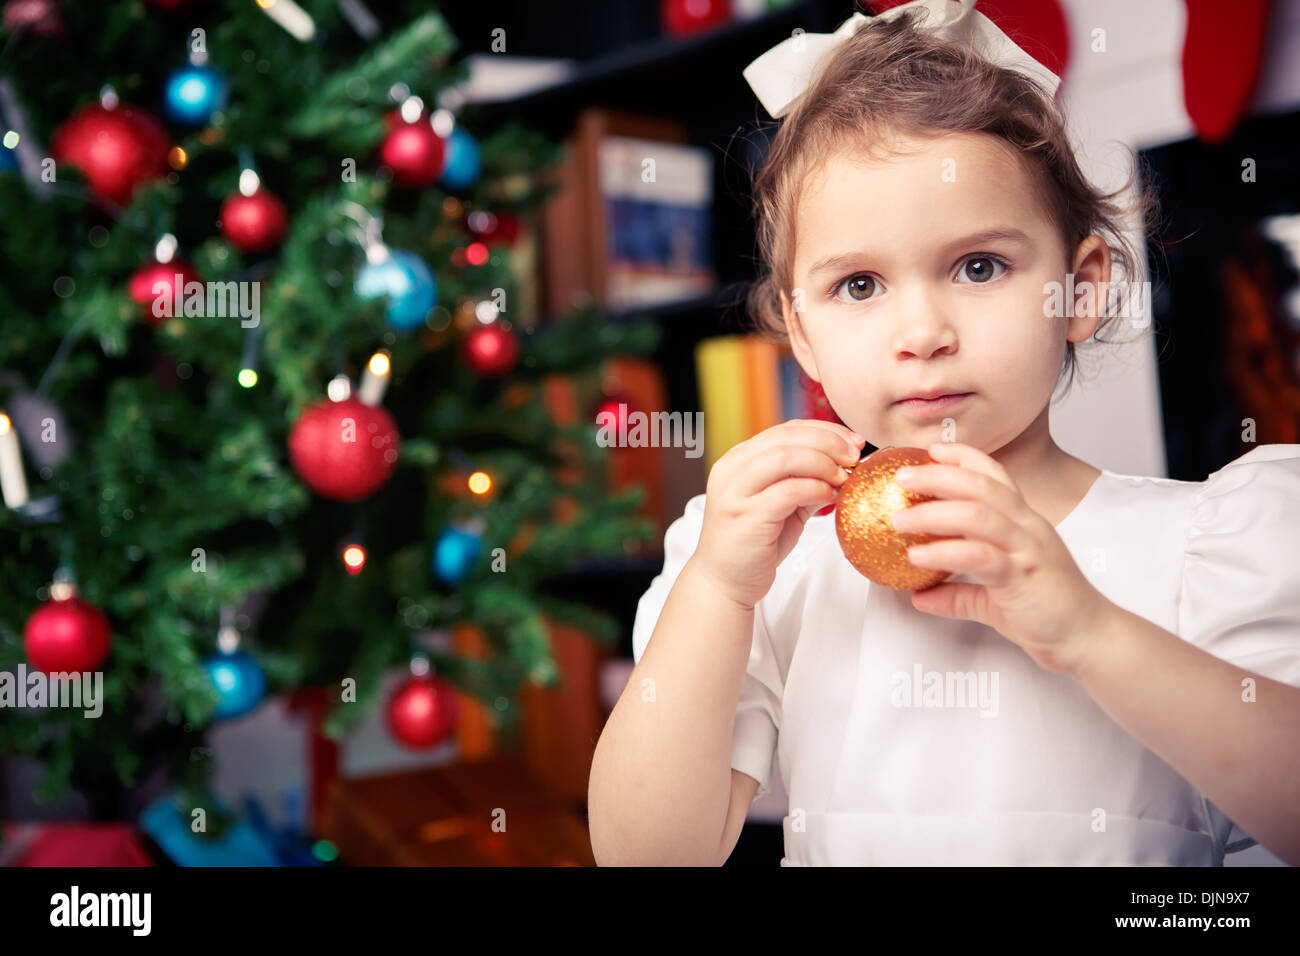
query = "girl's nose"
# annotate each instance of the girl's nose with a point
(923, 325)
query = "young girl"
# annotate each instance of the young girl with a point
(1112, 673)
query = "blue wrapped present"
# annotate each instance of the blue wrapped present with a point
(240, 845)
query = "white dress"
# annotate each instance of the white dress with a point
(887, 766)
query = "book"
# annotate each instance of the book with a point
(747, 384)
(720, 368)
(658, 201)
(576, 235)
(763, 383)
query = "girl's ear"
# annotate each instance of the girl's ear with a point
(1091, 288)
(798, 342)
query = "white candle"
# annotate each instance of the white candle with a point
(362, 20)
(374, 381)
(12, 481)
(290, 16)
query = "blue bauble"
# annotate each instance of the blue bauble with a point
(454, 553)
(461, 167)
(238, 679)
(406, 281)
(194, 93)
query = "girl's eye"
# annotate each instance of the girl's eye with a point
(981, 269)
(861, 287)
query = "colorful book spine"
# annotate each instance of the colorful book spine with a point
(747, 384)
(762, 359)
(794, 397)
(720, 369)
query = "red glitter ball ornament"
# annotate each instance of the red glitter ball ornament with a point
(344, 450)
(864, 509)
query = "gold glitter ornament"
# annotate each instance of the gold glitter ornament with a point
(863, 511)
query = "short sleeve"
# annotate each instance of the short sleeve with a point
(1240, 596)
(758, 712)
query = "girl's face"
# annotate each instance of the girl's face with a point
(928, 270)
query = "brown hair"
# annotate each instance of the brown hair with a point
(890, 76)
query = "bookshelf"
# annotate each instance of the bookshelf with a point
(682, 91)
(661, 75)
(695, 83)
(695, 86)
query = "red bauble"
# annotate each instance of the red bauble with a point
(422, 712)
(66, 636)
(344, 450)
(491, 228)
(614, 413)
(491, 349)
(414, 152)
(116, 149)
(684, 17)
(41, 18)
(144, 280)
(254, 223)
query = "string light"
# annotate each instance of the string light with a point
(374, 380)
(12, 480)
(293, 18)
(248, 360)
(354, 558)
(443, 122)
(411, 108)
(480, 482)
(165, 249)
(248, 182)
(339, 388)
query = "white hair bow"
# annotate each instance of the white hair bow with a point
(781, 75)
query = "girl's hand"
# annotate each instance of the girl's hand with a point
(759, 495)
(1031, 590)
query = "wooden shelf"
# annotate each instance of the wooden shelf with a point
(689, 91)
(631, 565)
(717, 300)
(443, 816)
(662, 76)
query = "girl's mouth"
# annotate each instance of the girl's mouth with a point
(928, 405)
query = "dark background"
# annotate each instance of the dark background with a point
(1201, 229)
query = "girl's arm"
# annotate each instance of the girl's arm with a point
(1192, 709)
(661, 778)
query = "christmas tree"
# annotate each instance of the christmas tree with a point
(269, 375)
